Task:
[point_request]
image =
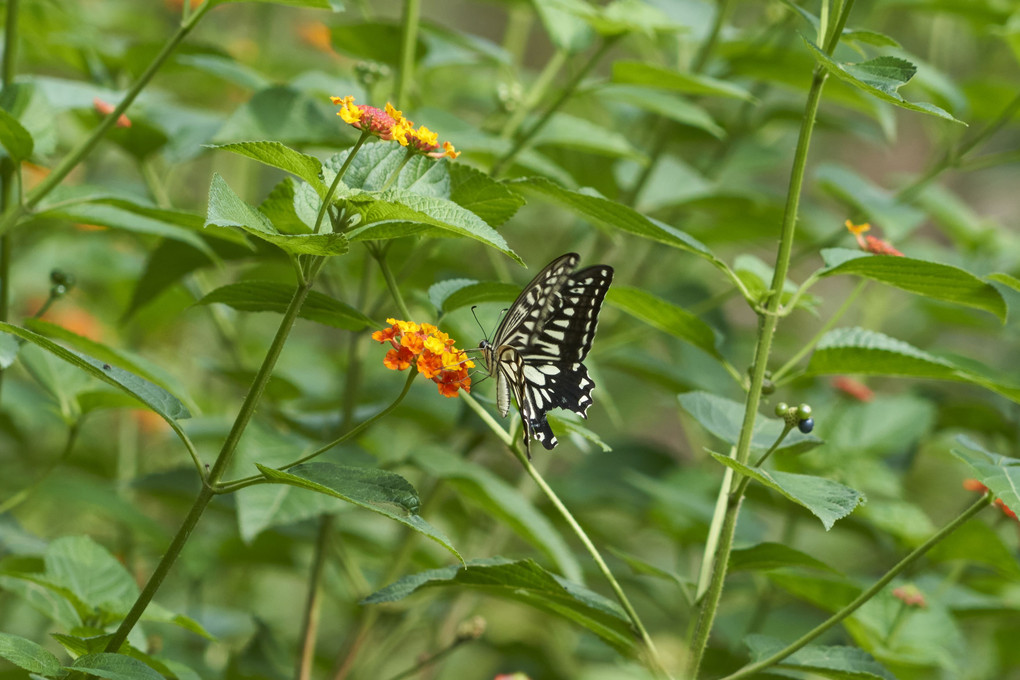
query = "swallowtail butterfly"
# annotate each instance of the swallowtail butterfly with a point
(536, 352)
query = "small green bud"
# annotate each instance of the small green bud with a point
(768, 387)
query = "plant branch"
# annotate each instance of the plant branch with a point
(20, 496)
(408, 43)
(391, 283)
(849, 609)
(328, 198)
(310, 622)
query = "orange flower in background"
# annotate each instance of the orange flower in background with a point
(975, 485)
(875, 246)
(388, 124)
(316, 34)
(853, 388)
(105, 109)
(430, 350)
(910, 595)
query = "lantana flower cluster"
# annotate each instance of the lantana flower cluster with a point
(875, 246)
(431, 350)
(389, 124)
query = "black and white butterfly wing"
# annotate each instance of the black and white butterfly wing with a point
(536, 353)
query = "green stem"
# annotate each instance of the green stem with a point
(766, 330)
(208, 490)
(535, 93)
(396, 173)
(153, 183)
(328, 198)
(806, 349)
(7, 169)
(408, 42)
(20, 496)
(310, 622)
(721, 13)
(10, 43)
(866, 595)
(391, 283)
(229, 487)
(429, 660)
(522, 141)
(13, 212)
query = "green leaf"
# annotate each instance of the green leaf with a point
(526, 582)
(28, 655)
(1000, 474)
(114, 667)
(8, 351)
(665, 316)
(667, 104)
(485, 197)
(375, 163)
(226, 209)
(724, 418)
(153, 396)
(827, 500)
(978, 543)
(640, 566)
(570, 132)
(380, 491)
(642, 73)
(43, 599)
(856, 350)
(15, 138)
(612, 214)
(503, 501)
(285, 114)
(1006, 280)
(768, 556)
(881, 77)
(374, 41)
(396, 213)
(564, 425)
(263, 506)
(836, 662)
(565, 25)
(91, 573)
(268, 296)
(456, 293)
(277, 155)
(930, 279)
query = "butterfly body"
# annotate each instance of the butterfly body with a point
(536, 352)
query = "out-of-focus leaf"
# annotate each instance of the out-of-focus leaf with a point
(666, 104)
(564, 23)
(767, 556)
(526, 582)
(286, 115)
(570, 132)
(827, 500)
(665, 316)
(456, 293)
(897, 220)
(277, 155)
(836, 662)
(641, 73)
(724, 417)
(1000, 474)
(268, 296)
(15, 139)
(115, 666)
(374, 41)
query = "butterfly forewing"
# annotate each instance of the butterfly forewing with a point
(536, 352)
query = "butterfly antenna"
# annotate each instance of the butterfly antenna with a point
(480, 326)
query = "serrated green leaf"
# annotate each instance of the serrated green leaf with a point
(614, 215)
(642, 73)
(767, 556)
(836, 662)
(930, 279)
(15, 139)
(375, 163)
(856, 350)
(825, 499)
(277, 155)
(153, 396)
(114, 667)
(1000, 474)
(91, 573)
(226, 209)
(526, 582)
(269, 296)
(28, 655)
(485, 197)
(724, 418)
(380, 491)
(501, 500)
(665, 316)
(881, 77)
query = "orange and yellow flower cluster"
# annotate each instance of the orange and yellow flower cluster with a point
(873, 245)
(432, 352)
(389, 124)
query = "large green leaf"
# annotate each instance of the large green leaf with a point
(643, 73)
(485, 197)
(380, 491)
(91, 573)
(827, 500)
(375, 163)
(767, 556)
(881, 77)
(665, 316)
(602, 210)
(15, 139)
(836, 662)
(374, 41)
(28, 655)
(666, 104)
(153, 396)
(930, 279)
(226, 209)
(269, 296)
(456, 293)
(277, 155)
(724, 417)
(856, 350)
(527, 582)
(501, 500)
(1000, 474)
(114, 667)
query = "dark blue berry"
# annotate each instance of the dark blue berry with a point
(806, 425)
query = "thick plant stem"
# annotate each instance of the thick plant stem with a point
(522, 141)
(866, 595)
(13, 212)
(408, 43)
(310, 625)
(767, 323)
(258, 386)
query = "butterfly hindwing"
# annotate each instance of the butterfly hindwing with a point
(537, 350)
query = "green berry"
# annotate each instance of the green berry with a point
(781, 409)
(803, 411)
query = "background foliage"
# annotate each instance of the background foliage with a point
(657, 137)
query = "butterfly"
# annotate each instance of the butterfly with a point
(536, 352)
